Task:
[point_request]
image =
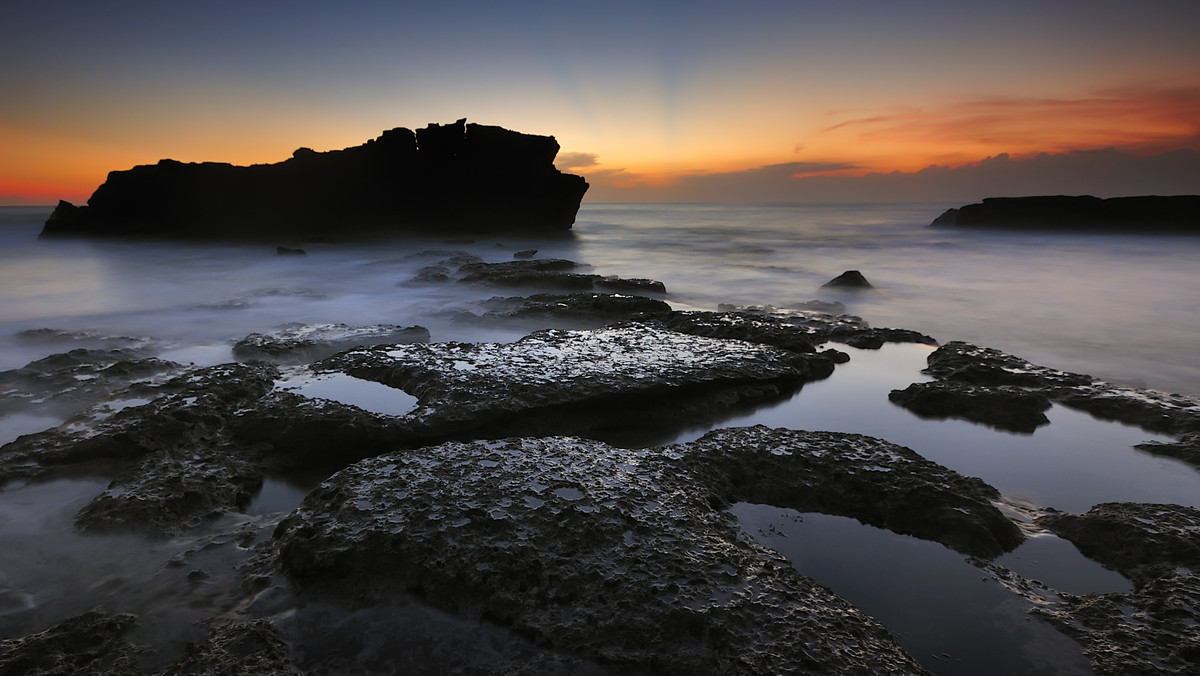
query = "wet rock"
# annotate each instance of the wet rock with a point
(191, 415)
(92, 643)
(598, 551)
(171, 492)
(236, 647)
(850, 279)
(798, 330)
(967, 363)
(1155, 629)
(301, 343)
(606, 307)
(1150, 409)
(1186, 448)
(872, 480)
(1004, 407)
(874, 338)
(557, 381)
(755, 328)
(67, 382)
(526, 253)
(443, 178)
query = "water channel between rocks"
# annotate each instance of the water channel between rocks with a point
(951, 615)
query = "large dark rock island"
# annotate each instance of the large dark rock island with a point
(1151, 213)
(456, 177)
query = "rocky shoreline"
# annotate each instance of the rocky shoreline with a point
(504, 497)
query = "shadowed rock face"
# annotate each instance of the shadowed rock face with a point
(1059, 212)
(613, 555)
(455, 177)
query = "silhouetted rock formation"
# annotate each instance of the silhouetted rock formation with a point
(455, 177)
(1125, 214)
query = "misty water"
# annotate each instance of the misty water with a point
(1120, 307)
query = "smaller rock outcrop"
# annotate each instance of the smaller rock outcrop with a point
(1177, 214)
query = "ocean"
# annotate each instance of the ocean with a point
(1118, 307)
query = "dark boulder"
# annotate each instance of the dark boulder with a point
(850, 279)
(454, 177)
(1179, 214)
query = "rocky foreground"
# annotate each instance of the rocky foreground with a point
(492, 501)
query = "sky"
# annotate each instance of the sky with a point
(896, 100)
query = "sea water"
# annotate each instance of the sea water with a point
(1120, 307)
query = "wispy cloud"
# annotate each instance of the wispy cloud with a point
(1133, 118)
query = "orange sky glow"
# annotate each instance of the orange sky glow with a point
(642, 98)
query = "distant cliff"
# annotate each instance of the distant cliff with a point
(1180, 214)
(444, 178)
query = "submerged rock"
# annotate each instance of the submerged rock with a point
(454, 177)
(1003, 407)
(1156, 628)
(301, 343)
(1083, 213)
(614, 555)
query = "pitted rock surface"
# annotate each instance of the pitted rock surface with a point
(299, 343)
(1150, 409)
(191, 414)
(610, 554)
(869, 479)
(70, 381)
(799, 330)
(1004, 407)
(463, 385)
(1156, 628)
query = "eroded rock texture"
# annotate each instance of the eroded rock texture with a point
(615, 555)
(1156, 628)
(969, 373)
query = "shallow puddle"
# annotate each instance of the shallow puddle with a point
(1073, 463)
(951, 616)
(365, 394)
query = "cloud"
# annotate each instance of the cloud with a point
(1104, 172)
(570, 161)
